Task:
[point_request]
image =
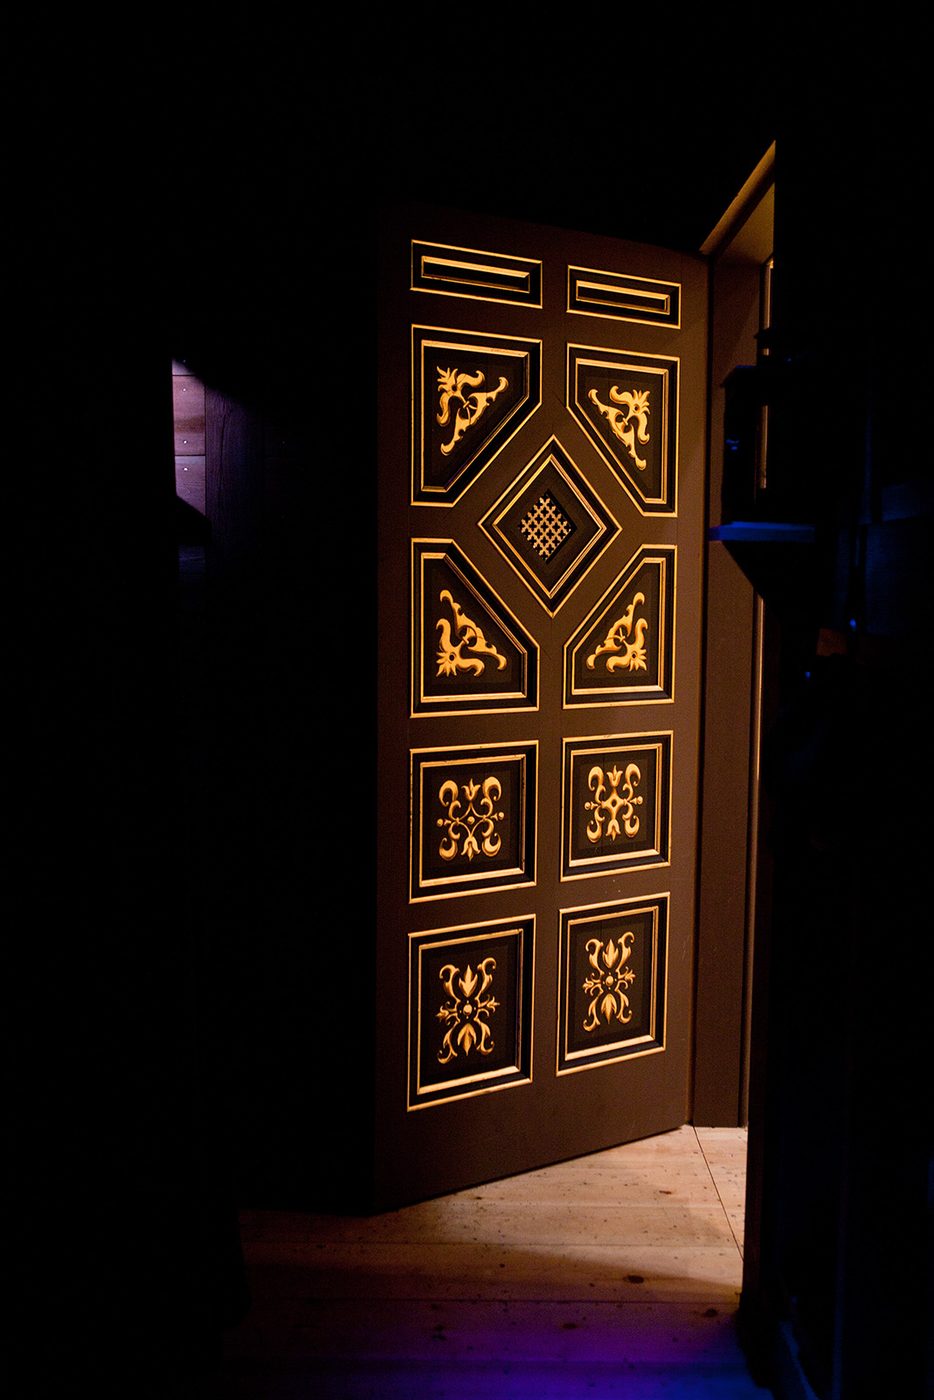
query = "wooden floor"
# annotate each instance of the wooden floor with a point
(614, 1275)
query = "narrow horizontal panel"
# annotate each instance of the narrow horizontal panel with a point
(623, 297)
(480, 276)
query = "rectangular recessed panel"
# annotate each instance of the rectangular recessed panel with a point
(469, 272)
(612, 981)
(473, 819)
(616, 804)
(470, 1010)
(622, 297)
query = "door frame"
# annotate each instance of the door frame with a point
(737, 249)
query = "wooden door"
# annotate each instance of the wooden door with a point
(541, 490)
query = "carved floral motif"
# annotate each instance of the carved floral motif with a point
(451, 387)
(467, 1013)
(627, 416)
(470, 824)
(450, 653)
(625, 641)
(605, 985)
(614, 802)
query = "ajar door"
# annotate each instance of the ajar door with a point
(541, 488)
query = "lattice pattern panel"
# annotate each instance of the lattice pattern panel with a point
(551, 526)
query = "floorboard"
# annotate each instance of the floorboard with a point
(616, 1275)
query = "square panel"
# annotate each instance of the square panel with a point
(612, 971)
(473, 819)
(616, 804)
(470, 1010)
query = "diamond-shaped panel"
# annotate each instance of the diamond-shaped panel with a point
(551, 526)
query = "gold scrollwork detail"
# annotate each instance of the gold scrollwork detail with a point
(620, 639)
(451, 386)
(450, 653)
(614, 805)
(627, 417)
(470, 821)
(605, 984)
(466, 1015)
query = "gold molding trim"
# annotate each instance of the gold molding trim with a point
(617, 1007)
(473, 274)
(466, 633)
(622, 296)
(470, 1081)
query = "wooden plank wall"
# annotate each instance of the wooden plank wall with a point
(188, 413)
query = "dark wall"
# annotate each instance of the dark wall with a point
(249, 259)
(840, 1132)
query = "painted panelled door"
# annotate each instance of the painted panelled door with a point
(541, 483)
